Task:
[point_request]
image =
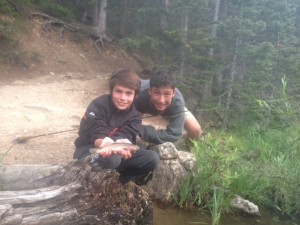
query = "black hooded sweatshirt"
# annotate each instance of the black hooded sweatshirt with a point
(103, 119)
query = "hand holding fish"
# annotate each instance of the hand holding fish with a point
(106, 141)
(124, 141)
(124, 149)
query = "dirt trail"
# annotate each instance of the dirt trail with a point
(50, 95)
(44, 105)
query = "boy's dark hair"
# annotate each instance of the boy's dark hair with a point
(127, 78)
(162, 78)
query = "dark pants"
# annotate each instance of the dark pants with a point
(136, 168)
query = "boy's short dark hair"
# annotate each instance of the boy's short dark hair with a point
(127, 78)
(162, 78)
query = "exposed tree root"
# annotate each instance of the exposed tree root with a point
(99, 40)
(57, 22)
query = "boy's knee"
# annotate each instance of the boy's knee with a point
(111, 162)
(194, 131)
(154, 159)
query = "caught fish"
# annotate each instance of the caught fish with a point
(116, 148)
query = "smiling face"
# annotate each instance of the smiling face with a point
(122, 96)
(161, 97)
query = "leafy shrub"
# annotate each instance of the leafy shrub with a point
(130, 44)
(57, 10)
(258, 164)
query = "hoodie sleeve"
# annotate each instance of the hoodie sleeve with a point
(172, 133)
(94, 123)
(130, 129)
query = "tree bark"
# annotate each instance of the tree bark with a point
(101, 25)
(74, 193)
(184, 29)
(164, 16)
(123, 18)
(215, 24)
(230, 84)
(214, 80)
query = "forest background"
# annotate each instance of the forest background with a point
(238, 67)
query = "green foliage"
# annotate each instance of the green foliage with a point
(216, 206)
(215, 158)
(4, 7)
(9, 44)
(147, 44)
(258, 164)
(57, 10)
(130, 44)
(278, 164)
(281, 112)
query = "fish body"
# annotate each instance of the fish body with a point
(115, 148)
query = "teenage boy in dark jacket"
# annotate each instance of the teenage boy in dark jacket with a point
(160, 97)
(112, 118)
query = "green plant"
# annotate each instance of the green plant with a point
(130, 44)
(279, 112)
(259, 164)
(216, 205)
(57, 10)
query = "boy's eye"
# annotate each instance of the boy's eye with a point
(129, 93)
(163, 94)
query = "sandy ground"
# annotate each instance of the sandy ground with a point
(46, 110)
(40, 106)
(44, 99)
(50, 94)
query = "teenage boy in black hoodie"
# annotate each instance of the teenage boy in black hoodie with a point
(112, 118)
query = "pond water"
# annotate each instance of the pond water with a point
(175, 216)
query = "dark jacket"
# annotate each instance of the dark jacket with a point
(175, 115)
(102, 119)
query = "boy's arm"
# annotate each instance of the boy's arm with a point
(172, 133)
(130, 129)
(94, 124)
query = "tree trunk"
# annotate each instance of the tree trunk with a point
(96, 14)
(233, 73)
(123, 18)
(101, 25)
(74, 193)
(164, 15)
(215, 24)
(184, 29)
(214, 80)
(230, 84)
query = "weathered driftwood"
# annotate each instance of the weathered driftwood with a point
(76, 193)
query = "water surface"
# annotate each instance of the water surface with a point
(175, 216)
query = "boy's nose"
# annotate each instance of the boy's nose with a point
(161, 98)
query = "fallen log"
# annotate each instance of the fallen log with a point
(73, 193)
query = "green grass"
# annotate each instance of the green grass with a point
(258, 164)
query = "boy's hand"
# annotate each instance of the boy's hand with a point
(123, 140)
(106, 141)
(99, 143)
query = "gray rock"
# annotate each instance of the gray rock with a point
(171, 172)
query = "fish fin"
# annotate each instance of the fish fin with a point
(93, 150)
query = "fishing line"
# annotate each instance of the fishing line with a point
(22, 140)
